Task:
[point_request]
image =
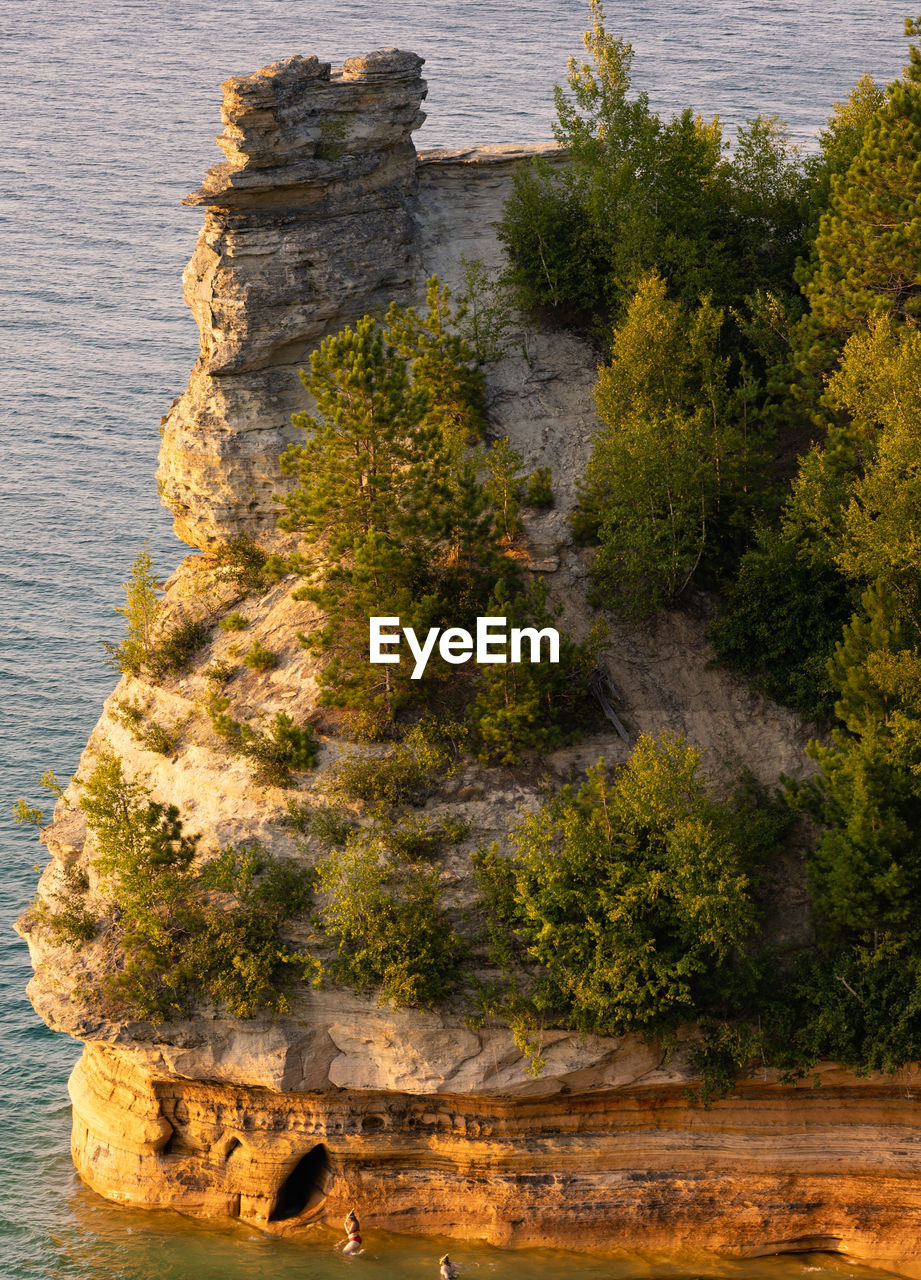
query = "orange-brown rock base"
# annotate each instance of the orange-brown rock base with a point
(772, 1169)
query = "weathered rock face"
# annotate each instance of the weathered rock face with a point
(321, 213)
(771, 1170)
(307, 226)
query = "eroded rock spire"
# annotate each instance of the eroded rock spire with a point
(306, 228)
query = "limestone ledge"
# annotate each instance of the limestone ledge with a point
(771, 1169)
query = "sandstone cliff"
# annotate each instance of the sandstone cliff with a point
(324, 211)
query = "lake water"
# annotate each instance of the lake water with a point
(109, 112)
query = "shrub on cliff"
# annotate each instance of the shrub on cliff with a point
(637, 192)
(148, 648)
(534, 706)
(387, 922)
(173, 943)
(668, 480)
(393, 518)
(629, 900)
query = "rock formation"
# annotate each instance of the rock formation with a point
(322, 212)
(307, 226)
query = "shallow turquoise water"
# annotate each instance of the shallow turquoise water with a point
(110, 113)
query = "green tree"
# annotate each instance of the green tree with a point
(141, 612)
(879, 385)
(377, 580)
(373, 458)
(536, 706)
(176, 944)
(632, 894)
(388, 924)
(780, 620)
(869, 240)
(670, 458)
(865, 871)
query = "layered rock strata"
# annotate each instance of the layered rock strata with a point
(633, 1165)
(322, 212)
(307, 226)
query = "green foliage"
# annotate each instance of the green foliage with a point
(260, 658)
(413, 839)
(638, 193)
(286, 748)
(668, 474)
(220, 671)
(632, 895)
(865, 871)
(488, 311)
(141, 610)
(178, 944)
(879, 385)
(408, 774)
(176, 648)
(374, 581)
(387, 493)
(234, 622)
(539, 489)
(388, 924)
(247, 566)
(239, 947)
(376, 454)
(68, 920)
(504, 486)
(27, 814)
(867, 247)
(158, 738)
(780, 621)
(536, 706)
(331, 825)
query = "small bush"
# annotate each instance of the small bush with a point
(536, 706)
(220, 671)
(388, 925)
(234, 622)
(157, 738)
(175, 650)
(780, 622)
(178, 945)
(539, 489)
(413, 840)
(259, 658)
(68, 921)
(130, 714)
(275, 754)
(247, 566)
(408, 775)
(331, 825)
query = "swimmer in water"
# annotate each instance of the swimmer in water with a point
(448, 1268)
(352, 1230)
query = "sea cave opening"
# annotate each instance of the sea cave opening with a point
(305, 1186)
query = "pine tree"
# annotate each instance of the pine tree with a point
(669, 459)
(869, 241)
(141, 612)
(373, 459)
(865, 871)
(376, 580)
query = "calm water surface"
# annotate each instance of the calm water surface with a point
(109, 114)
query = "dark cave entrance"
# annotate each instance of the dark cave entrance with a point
(305, 1186)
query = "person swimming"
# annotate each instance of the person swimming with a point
(353, 1231)
(448, 1268)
